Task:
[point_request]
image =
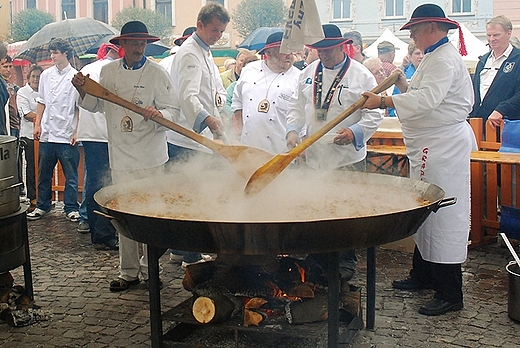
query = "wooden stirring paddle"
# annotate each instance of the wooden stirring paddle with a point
(270, 170)
(244, 159)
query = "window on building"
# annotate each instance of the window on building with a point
(31, 4)
(341, 9)
(68, 9)
(461, 6)
(164, 7)
(394, 8)
(219, 1)
(101, 10)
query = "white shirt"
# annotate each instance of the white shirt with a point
(56, 92)
(197, 78)
(493, 64)
(324, 154)
(26, 102)
(172, 136)
(93, 125)
(257, 83)
(145, 146)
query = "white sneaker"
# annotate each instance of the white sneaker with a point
(205, 258)
(36, 214)
(73, 216)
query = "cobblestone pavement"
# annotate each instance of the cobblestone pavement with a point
(71, 279)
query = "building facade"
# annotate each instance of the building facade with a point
(182, 13)
(369, 17)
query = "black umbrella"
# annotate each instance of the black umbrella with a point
(152, 49)
(81, 33)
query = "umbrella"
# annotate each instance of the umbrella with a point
(256, 40)
(152, 49)
(81, 33)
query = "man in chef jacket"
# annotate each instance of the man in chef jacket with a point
(261, 96)
(433, 111)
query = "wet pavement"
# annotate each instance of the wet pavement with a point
(71, 278)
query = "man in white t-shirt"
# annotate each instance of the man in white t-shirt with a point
(55, 129)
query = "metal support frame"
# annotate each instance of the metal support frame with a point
(334, 337)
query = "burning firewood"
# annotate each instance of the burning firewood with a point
(255, 302)
(351, 300)
(308, 311)
(252, 318)
(197, 274)
(212, 309)
(301, 291)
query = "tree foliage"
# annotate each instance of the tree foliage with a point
(27, 22)
(253, 14)
(156, 23)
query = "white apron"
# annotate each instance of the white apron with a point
(437, 159)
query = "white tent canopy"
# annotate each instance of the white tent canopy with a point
(387, 35)
(474, 46)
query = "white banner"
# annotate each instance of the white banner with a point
(303, 26)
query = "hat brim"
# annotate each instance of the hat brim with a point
(134, 36)
(271, 45)
(413, 21)
(329, 43)
(178, 41)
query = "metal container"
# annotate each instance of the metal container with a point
(513, 305)
(267, 236)
(12, 245)
(9, 184)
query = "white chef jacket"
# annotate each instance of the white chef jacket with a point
(145, 147)
(56, 92)
(324, 154)
(257, 82)
(439, 142)
(26, 102)
(197, 78)
(172, 136)
(92, 126)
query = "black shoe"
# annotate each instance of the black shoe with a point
(408, 283)
(112, 244)
(438, 307)
(120, 284)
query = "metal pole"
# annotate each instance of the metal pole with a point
(155, 296)
(333, 299)
(371, 288)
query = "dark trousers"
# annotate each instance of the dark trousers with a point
(445, 279)
(97, 176)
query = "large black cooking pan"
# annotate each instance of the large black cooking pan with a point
(269, 235)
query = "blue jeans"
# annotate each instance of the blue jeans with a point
(49, 155)
(179, 154)
(97, 176)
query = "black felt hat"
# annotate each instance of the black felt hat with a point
(273, 40)
(429, 13)
(134, 30)
(332, 38)
(185, 34)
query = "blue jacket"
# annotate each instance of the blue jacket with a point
(504, 93)
(4, 98)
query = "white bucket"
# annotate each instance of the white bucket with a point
(513, 305)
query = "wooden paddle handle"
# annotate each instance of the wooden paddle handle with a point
(93, 88)
(384, 85)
